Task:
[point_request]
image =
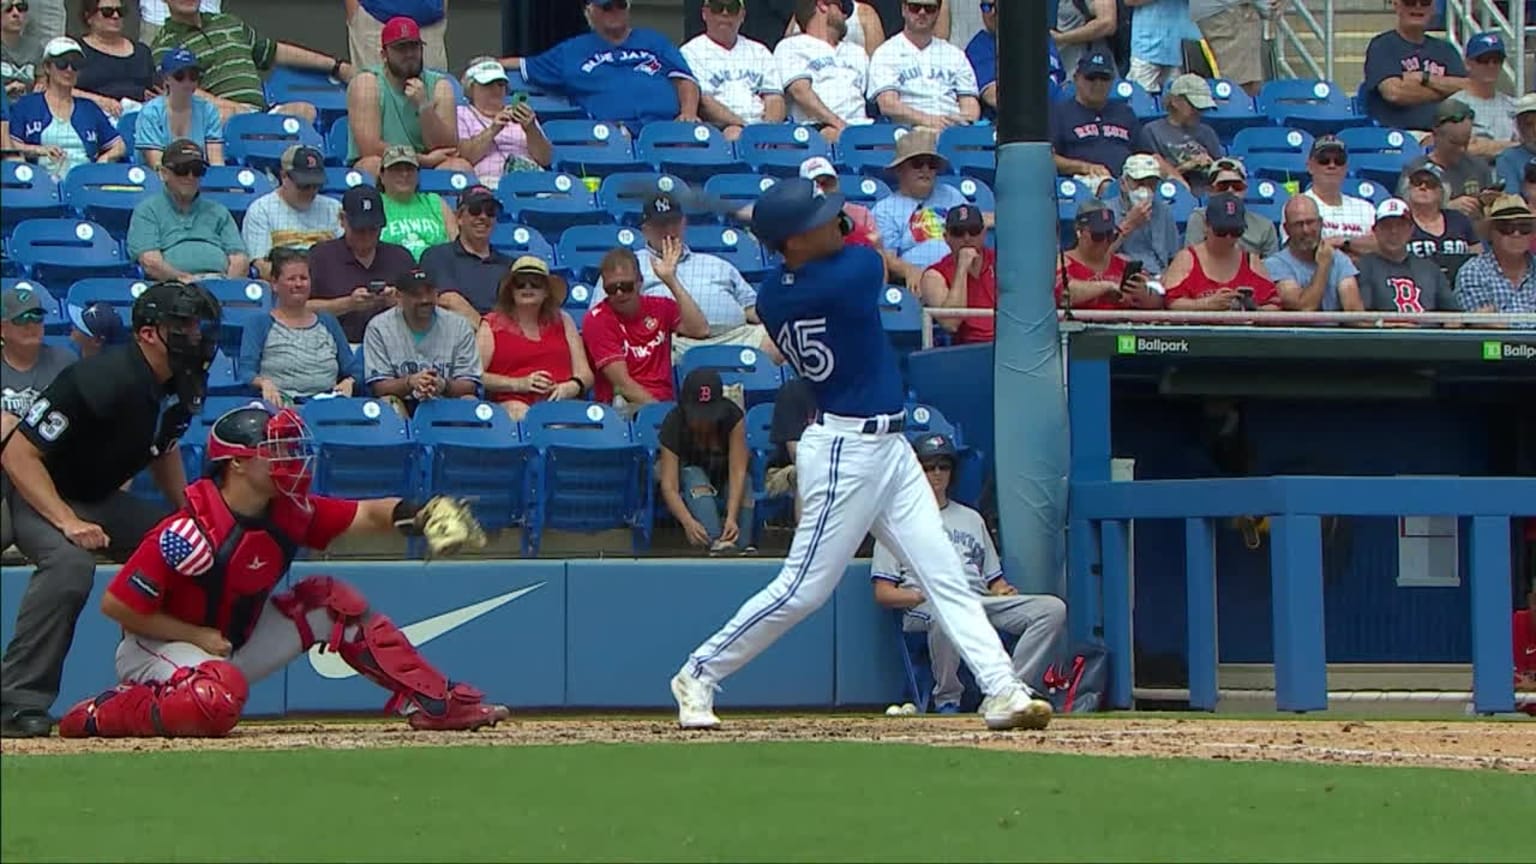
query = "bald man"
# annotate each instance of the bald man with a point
(1309, 273)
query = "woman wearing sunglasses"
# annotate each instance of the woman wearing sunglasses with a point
(529, 347)
(179, 113)
(1503, 279)
(20, 52)
(1447, 236)
(1217, 274)
(116, 67)
(56, 127)
(1093, 276)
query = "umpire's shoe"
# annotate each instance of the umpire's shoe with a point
(25, 723)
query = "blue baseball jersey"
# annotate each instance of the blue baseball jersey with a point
(631, 81)
(825, 320)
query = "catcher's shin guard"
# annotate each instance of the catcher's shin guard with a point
(381, 653)
(197, 702)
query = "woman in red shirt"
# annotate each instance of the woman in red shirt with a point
(1216, 274)
(529, 346)
(1095, 277)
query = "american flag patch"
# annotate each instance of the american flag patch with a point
(185, 549)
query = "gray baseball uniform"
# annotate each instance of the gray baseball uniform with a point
(392, 350)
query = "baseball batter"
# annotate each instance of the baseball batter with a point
(200, 621)
(855, 471)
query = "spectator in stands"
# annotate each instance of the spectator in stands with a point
(1158, 31)
(1503, 279)
(179, 113)
(1446, 236)
(864, 231)
(966, 278)
(1091, 135)
(181, 235)
(116, 67)
(366, 20)
(703, 450)
(529, 347)
(1217, 274)
(495, 137)
(417, 352)
(1408, 72)
(1512, 162)
(1493, 112)
(1149, 233)
(919, 79)
(1234, 31)
(21, 54)
(402, 104)
(1092, 276)
(468, 273)
(628, 336)
(61, 129)
(651, 82)
(794, 409)
(1259, 237)
(354, 276)
(1186, 146)
(1084, 27)
(1394, 280)
(1347, 220)
(152, 15)
(982, 52)
(866, 24)
(95, 327)
(294, 215)
(911, 219)
(233, 57)
(738, 79)
(825, 73)
(295, 353)
(29, 365)
(1468, 179)
(1309, 274)
(417, 219)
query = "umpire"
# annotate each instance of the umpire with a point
(100, 422)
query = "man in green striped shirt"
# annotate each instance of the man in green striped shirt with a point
(233, 55)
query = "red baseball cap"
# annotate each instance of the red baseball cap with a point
(399, 29)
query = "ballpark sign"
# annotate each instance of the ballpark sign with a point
(1130, 343)
(1508, 351)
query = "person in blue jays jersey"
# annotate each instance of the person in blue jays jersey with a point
(855, 472)
(617, 72)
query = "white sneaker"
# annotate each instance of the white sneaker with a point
(695, 702)
(1016, 709)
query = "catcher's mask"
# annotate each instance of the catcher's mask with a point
(279, 438)
(187, 319)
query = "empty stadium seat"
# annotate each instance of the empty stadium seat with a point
(365, 448)
(107, 192)
(1233, 112)
(755, 371)
(329, 96)
(241, 299)
(550, 107)
(1309, 104)
(224, 378)
(1267, 198)
(60, 251)
(582, 247)
(259, 140)
(735, 191)
(587, 473)
(779, 148)
(622, 196)
(474, 450)
(1378, 154)
(27, 192)
(975, 191)
(236, 187)
(338, 180)
(738, 247)
(761, 448)
(119, 292)
(692, 151)
(862, 190)
(902, 316)
(449, 184)
(549, 201)
(868, 149)
(1372, 192)
(337, 140)
(520, 240)
(647, 425)
(1181, 202)
(591, 148)
(1267, 151)
(971, 151)
(577, 300)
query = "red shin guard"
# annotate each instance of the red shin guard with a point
(197, 702)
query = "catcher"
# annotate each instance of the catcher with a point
(199, 617)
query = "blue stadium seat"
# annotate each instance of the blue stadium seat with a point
(971, 151)
(1268, 151)
(258, 140)
(60, 251)
(117, 292)
(738, 247)
(127, 125)
(975, 191)
(577, 300)
(54, 321)
(761, 448)
(646, 429)
(867, 149)
(27, 192)
(236, 187)
(779, 148)
(224, 378)
(582, 247)
(902, 316)
(591, 148)
(337, 140)
(107, 192)
(520, 240)
(861, 189)
(474, 450)
(736, 190)
(1369, 190)
(757, 374)
(241, 300)
(1179, 199)
(1267, 198)
(588, 471)
(927, 420)
(692, 151)
(366, 449)
(1379, 154)
(338, 180)
(548, 201)
(1234, 110)
(550, 107)
(1312, 105)
(449, 184)
(1143, 104)
(623, 195)
(329, 96)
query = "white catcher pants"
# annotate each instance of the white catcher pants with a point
(274, 643)
(853, 484)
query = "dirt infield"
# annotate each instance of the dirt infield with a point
(1504, 745)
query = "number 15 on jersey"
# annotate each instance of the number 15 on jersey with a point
(802, 344)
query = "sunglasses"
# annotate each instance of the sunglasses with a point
(1229, 233)
(619, 287)
(196, 169)
(1230, 186)
(16, 7)
(187, 75)
(923, 8)
(1509, 229)
(1338, 161)
(957, 233)
(109, 11)
(728, 7)
(1424, 181)
(483, 208)
(31, 316)
(536, 282)
(1103, 236)
(923, 162)
(67, 64)
(941, 467)
(307, 187)
(1422, 4)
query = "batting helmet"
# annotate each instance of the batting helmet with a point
(279, 437)
(935, 446)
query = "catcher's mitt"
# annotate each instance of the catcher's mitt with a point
(446, 523)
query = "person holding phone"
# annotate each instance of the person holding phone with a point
(1093, 276)
(353, 276)
(497, 135)
(1216, 274)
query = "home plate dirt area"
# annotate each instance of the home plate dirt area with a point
(1500, 745)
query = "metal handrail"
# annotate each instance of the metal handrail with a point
(1321, 30)
(1465, 17)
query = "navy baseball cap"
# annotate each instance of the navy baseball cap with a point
(178, 59)
(99, 321)
(1226, 212)
(1097, 63)
(1096, 219)
(1483, 44)
(792, 207)
(364, 207)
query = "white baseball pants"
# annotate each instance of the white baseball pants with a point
(274, 643)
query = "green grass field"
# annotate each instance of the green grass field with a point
(758, 802)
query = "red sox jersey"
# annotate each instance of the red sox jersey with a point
(208, 566)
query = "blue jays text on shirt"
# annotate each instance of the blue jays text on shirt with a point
(913, 73)
(726, 76)
(969, 548)
(645, 61)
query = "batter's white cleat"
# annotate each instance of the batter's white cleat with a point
(695, 702)
(1016, 709)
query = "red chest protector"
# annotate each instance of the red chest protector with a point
(250, 557)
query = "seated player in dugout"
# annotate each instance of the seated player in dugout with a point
(201, 622)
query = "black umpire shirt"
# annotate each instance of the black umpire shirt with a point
(101, 422)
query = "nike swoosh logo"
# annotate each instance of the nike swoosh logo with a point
(328, 664)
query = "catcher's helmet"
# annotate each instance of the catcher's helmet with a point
(278, 437)
(934, 446)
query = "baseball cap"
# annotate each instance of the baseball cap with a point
(1325, 143)
(305, 165)
(702, 398)
(1525, 104)
(1228, 169)
(177, 59)
(23, 297)
(935, 446)
(963, 218)
(1484, 43)
(661, 207)
(399, 29)
(817, 167)
(791, 207)
(1453, 111)
(485, 70)
(477, 194)
(364, 207)
(398, 154)
(1140, 166)
(182, 152)
(1097, 63)
(62, 45)
(1096, 219)
(1392, 208)
(99, 321)
(1225, 212)
(535, 266)
(1194, 88)
(1509, 207)
(415, 281)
